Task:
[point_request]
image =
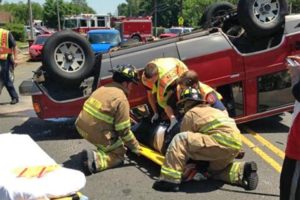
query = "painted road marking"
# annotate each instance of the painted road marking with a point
(262, 154)
(266, 143)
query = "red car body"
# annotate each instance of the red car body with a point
(35, 50)
(255, 83)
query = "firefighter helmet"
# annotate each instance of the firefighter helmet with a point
(190, 94)
(126, 72)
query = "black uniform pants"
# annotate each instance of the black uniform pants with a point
(6, 79)
(290, 180)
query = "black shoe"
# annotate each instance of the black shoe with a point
(14, 101)
(165, 186)
(88, 162)
(250, 177)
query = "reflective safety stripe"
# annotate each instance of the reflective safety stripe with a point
(112, 147)
(234, 172)
(206, 89)
(129, 136)
(4, 43)
(172, 173)
(216, 123)
(96, 113)
(122, 125)
(102, 160)
(227, 141)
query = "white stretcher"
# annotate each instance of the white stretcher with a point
(17, 151)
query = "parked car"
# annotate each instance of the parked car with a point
(238, 53)
(175, 31)
(35, 49)
(103, 40)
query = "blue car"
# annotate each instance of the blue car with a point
(103, 40)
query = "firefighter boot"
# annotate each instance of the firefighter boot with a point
(165, 186)
(88, 162)
(250, 177)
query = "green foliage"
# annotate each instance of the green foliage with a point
(17, 30)
(20, 11)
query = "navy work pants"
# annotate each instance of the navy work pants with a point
(4, 75)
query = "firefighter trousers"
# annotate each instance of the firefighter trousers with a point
(197, 146)
(106, 156)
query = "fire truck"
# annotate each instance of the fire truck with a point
(138, 28)
(85, 22)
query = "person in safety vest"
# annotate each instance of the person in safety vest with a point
(159, 77)
(8, 55)
(190, 79)
(207, 134)
(105, 122)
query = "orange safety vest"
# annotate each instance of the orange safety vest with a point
(4, 45)
(170, 69)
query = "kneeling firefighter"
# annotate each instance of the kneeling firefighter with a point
(206, 134)
(105, 122)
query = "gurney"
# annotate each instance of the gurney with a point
(27, 172)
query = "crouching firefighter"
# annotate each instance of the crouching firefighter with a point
(105, 122)
(206, 134)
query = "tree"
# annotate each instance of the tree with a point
(123, 9)
(50, 13)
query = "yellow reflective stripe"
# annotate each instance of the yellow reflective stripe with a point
(4, 42)
(228, 141)
(112, 147)
(171, 173)
(94, 102)
(97, 114)
(129, 136)
(234, 171)
(122, 125)
(216, 123)
(102, 165)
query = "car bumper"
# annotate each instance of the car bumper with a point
(29, 88)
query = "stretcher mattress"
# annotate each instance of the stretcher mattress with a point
(20, 151)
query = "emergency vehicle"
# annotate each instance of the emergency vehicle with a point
(138, 28)
(85, 22)
(240, 52)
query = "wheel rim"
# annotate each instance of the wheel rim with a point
(69, 57)
(266, 11)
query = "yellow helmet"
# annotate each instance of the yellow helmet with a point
(126, 72)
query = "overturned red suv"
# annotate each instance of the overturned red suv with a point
(240, 51)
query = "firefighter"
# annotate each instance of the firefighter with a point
(105, 122)
(8, 55)
(207, 134)
(190, 79)
(160, 77)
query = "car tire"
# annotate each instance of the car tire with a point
(214, 10)
(68, 57)
(261, 20)
(137, 38)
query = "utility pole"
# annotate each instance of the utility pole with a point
(58, 16)
(30, 19)
(155, 18)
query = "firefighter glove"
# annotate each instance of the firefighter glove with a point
(154, 117)
(172, 124)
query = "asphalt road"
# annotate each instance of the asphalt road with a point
(134, 180)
